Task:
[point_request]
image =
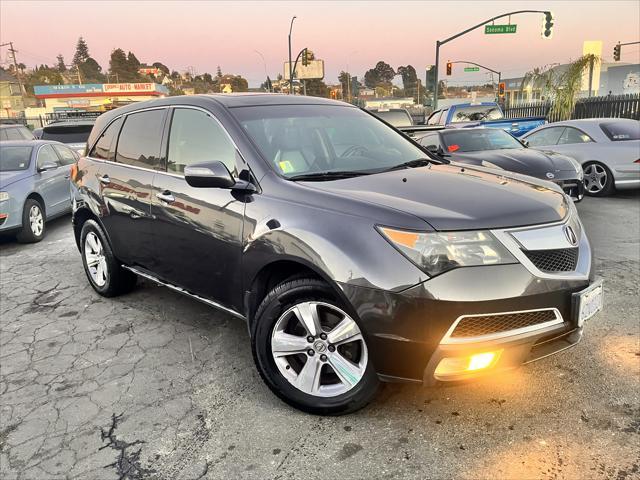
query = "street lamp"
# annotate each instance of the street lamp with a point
(264, 63)
(290, 64)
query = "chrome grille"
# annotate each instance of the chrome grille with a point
(558, 260)
(477, 326)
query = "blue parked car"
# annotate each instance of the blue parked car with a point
(34, 186)
(485, 114)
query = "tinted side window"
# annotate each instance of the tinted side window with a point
(140, 138)
(195, 138)
(547, 136)
(104, 148)
(47, 155)
(67, 157)
(430, 140)
(573, 135)
(621, 131)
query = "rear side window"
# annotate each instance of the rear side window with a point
(105, 146)
(476, 114)
(434, 119)
(621, 131)
(573, 135)
(67, 157)
(544, 137)
(195, 138)
(140, 139)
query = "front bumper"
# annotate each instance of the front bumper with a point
(10, 215)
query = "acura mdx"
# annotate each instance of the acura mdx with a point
(354, 255)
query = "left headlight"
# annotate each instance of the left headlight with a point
(437, 252)
(4, 196)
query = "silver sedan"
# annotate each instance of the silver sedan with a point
(607, 148)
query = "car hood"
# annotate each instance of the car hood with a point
(7, 178)
(456, 197)
(527, 161)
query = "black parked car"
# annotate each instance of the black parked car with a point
(496, 148)
(353, 256)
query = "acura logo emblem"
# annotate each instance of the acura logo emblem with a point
(571, 235)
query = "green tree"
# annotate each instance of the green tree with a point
(61, 66)
(343, 78)
(162, 67)
(118, 64)
(91, 71)
(562, 88)
(316, 88)
(82, 52)
(409, 80)
(219, 72)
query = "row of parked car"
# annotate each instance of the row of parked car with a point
(35, 171)
(594, 156)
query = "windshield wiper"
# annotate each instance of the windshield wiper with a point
(329, 175)
(418, 162)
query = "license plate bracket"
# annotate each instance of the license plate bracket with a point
(588, 302)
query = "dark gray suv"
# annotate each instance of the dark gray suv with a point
(353, 254)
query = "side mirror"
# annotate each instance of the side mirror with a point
(209, 175)
(47, 166)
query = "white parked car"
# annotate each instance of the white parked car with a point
(607, 148)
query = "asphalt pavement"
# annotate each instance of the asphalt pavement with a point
(156, 385)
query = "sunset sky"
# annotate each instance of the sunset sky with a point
(354, 34)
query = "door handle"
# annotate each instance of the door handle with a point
(166, 197)
(68, 175)
(105, 179)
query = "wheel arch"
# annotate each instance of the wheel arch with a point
(38, 198)
(277, 271)
(80, 216)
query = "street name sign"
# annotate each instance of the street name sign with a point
(471, 69)
(491, 29)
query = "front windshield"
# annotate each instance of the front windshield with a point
(310, 139)
(476, 113)
(13, 158)
(477, 140)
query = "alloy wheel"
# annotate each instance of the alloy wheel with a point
(319, 349)
(95, 259)
(36, 220)
(595, 178)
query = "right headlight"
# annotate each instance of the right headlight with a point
(437, 252)
(4, 196)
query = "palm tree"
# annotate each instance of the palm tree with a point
(561, 88)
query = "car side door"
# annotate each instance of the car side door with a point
(51, 182)
(125, 184)
(197, 231)
(67, 158)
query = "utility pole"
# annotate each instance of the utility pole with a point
(290, 65)
(13, 52)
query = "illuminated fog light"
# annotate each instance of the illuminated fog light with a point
(481, 360)
(459, 366)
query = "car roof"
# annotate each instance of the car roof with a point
(71, 123)
(28, 143)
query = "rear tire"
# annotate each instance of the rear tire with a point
(343, 379)
(33, 222)
(598, 180)
(103, 270)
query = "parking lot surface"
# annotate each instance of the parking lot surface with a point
(156, 385)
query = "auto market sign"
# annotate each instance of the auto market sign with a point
(128, 87)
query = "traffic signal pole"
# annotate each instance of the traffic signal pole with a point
(439, 43)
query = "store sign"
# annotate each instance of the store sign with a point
(128, 87)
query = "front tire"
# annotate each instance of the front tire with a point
(310, 352)
(598, 179)
(33, 222)
(105, 274)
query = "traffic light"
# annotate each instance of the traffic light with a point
(305, 58)
(616, 52)
(547, 25)
(449, 67)
(501, 88)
